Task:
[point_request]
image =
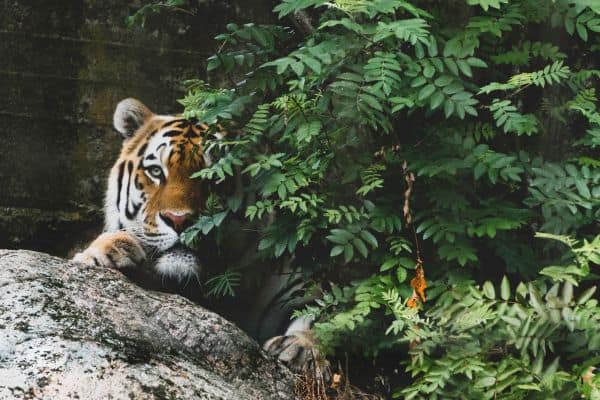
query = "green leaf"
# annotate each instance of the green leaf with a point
(361, 247)
(586, 295)
(530, 386)
(583, 189)
(485, 382)
(371, 101)
(436, 100)
(336, 251)
(418, 81)
(581, 31)
(388, 264)
(488, 290)
(505, 289)
(312, 63)
(486, 4)
(425, 92)
(369, 238)
(348, 253)
(476, 62)
(401, 274)
(464, 67)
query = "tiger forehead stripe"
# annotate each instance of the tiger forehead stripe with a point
(142, 149)
(191, 133)
(173, 132)
(174, 122)
(187, 131)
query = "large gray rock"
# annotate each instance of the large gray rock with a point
(67, 331)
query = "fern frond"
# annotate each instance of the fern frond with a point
(371, 179)
(553, 73)
(507, 117)
(412, 31)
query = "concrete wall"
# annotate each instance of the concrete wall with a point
(63, 67)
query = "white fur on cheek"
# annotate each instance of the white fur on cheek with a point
(178, 264)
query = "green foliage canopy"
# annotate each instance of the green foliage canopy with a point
(493, 106)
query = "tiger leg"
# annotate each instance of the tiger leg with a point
(117, 249)
(298, 349)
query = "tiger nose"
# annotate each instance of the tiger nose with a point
(178, 220)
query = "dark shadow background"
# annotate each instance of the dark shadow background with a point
(64, 65)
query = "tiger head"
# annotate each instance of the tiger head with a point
(150, 192)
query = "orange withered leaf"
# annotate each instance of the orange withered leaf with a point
(413, 301)
(419, 284)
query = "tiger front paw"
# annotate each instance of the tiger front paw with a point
(113, 250)
(298, 350)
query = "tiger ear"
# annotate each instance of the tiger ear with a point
(129, 116)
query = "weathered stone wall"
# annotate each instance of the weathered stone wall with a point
(63, 67)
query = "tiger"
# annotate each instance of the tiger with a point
(151, 199)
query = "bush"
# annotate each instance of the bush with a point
(390, 134)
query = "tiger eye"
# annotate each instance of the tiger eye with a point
(155, 172)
